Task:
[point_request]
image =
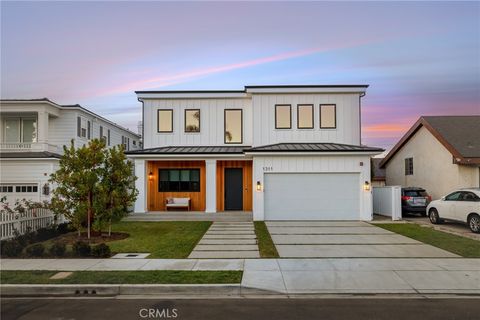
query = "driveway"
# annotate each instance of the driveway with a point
(453, 227)
(345, 239)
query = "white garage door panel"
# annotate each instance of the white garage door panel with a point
(312, 196)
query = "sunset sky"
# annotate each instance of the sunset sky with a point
(419, 58)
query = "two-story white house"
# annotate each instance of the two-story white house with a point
(283, 152)
(32, 136)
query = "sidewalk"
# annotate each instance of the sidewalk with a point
(303, 276)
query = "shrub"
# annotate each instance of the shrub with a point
(26, 238)
(58, 249)
(63, 228)
(11, 248)
(101, 251)
(46, 233)
(81, 249)
(36, 250)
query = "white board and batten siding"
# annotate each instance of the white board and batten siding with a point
(342, 172)
(211, 122)
(347, 130)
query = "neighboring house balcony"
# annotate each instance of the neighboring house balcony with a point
(26, 131)
(28, 147)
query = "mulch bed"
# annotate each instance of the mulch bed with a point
(95, 238)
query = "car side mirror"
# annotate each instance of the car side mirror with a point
(443, 199)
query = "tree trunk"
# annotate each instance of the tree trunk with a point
(89, 213)
(110, 228)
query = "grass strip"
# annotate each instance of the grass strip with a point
(123, 277)
(265, 243)
(465, 247)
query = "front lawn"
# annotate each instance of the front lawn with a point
(163, 239)
(464, 247)
(123, 277)
(265, 242)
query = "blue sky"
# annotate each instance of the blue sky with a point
(420, 58)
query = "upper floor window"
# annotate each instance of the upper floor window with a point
(305, 116)
(233, 125)
(101, 134)
(192, 120)
(20, 130)
(328, 116)
(84, 127)
(283, 116)
(408, 166)
(165, 120)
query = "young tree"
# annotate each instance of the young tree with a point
(116, 188)
(95, 186)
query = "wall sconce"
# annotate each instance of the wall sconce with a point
(259, 186)
(46, 189)
(366, 186)
(150, 176)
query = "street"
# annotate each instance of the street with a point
(231, 309)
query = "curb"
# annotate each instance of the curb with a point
(105, 290)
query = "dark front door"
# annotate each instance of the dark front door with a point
(233, 189)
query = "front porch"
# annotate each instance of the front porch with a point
(222, 216)
(219, 189)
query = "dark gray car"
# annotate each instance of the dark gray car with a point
(415, 200)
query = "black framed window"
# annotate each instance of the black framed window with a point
(233, 122)
(409, 166)
(179, 180)
(305, 116)
(328, 116)
(192, 120)
(283, 116)
(165, 120)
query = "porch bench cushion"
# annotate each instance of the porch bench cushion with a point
(177, 203)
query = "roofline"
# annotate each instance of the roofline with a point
(69, 107)
(79, 107)
(25, 158)
(313, 152)
(416, 126)
(152, 94)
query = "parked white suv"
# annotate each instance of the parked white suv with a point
(460, 205)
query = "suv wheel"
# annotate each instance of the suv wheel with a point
(474, 223)
(433, 215)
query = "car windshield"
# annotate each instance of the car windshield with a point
(415, 193)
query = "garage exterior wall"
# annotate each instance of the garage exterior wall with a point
(312, 164)
(433, 167)
(27, 172)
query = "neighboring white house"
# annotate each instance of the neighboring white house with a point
(32, 136)
(439, 153)
(283, 152)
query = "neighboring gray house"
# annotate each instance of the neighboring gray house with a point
(439, 153)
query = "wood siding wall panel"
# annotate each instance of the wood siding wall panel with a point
(156, 200)
(247, 183)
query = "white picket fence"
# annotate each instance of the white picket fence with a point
(32, 220)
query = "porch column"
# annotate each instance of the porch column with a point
(211, 182)
(140, 203)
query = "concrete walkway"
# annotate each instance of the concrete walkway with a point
(302, 276)
(345, 239)
(228, 240)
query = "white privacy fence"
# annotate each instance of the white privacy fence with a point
(387, 201)
(32, 220)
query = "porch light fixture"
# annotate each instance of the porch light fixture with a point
(46, 189)
(150, 176)
(259, 186)
(366, 186)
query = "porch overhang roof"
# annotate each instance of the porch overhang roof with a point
(189, 151)
(313, 148)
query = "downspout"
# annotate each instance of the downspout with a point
(143, 123)
(360, 113)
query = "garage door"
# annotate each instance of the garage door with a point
(312, 196)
